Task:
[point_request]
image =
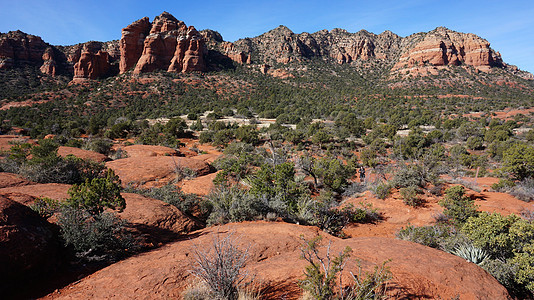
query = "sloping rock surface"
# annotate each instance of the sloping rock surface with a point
(419, 271)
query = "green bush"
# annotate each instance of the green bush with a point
(321, 273)
(96, 194)
(322, 277)
(382, 190)
(518, 160)
(410, 196)
(458, 207)
(45, 206)
(93, 236)
(41, 163)
(431, 236)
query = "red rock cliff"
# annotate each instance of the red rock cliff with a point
(131, 43)
(166, 44)
(93, 63)
(442, 47)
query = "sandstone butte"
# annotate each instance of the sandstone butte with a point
(168, 44)
(274, 248)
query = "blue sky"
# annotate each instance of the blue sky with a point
(507, 25)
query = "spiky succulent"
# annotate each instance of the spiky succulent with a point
(471, 253)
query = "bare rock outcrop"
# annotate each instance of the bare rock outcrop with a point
(18, 48)
(131, 43)
(29, 246)
(81, 153)
(444, 47)
(155, 170)
(149, 150)
(49, 62)
(419, 272)
(155, 219)
(165, 44)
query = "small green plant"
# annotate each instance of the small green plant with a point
(410, 196)
(96, 194)
(322, 277)
(471, 253)
(45, 206)
(457, 206)
(321, 274)
(382, 190)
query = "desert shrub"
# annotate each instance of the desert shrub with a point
(503, 185)
(331, 173)
(329, 217)
(321, 273)
(410, 196)
(189, 204)
(45, 206)
(407, 176)
(220, 267)
(475, 143)
(518, 160)
(524, 190)
(197, 126)
(93, 236)
(504, 272)
(235, 205)
(192, 116)
(41, 163)
(354, 188)
(457, 206)
(322, 277)
(96, 194)
(431, 236)
(524, 262)
(497, 234)
(369, 285)
(247, 134)
(99, 145)
(381, 190)
(508, 239)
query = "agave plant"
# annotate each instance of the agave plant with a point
(471, 253)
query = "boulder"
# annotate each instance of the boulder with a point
(155, 219)
(12, 180)
(81, 153)
(149, 150)
(26, 194)
(154, 170)
(29, 245)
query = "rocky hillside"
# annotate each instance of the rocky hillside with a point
(170, 45)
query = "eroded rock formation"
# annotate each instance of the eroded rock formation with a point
(442, 47)
(166, 44)
(19, 48)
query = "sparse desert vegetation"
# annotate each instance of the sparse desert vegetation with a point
(301, 179)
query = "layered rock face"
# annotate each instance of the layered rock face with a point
(442, 47)
(18, 48)
(91, 65)
(166, 44)
(131, 43)
(92, 60)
